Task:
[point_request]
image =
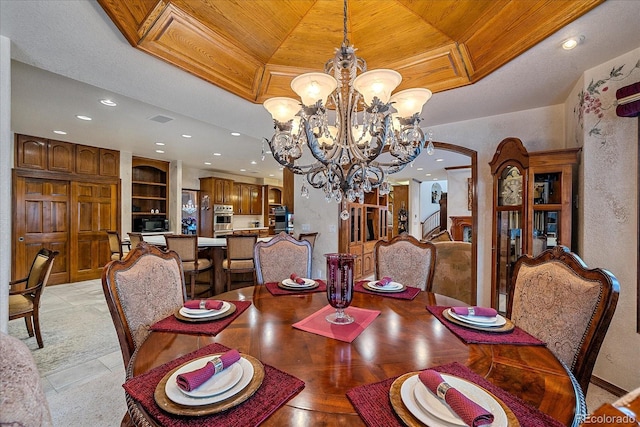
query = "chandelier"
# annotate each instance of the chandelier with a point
(356, 132)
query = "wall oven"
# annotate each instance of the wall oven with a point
(222, 220)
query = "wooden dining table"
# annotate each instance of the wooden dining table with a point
(404, 338)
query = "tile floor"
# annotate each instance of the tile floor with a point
(92, 380)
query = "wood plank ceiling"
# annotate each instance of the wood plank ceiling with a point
(253, 48)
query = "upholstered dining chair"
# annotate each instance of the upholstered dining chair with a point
(147, 286)
(239, 256)
(557, 299)
(23, 402)
(186, 245)
(115, 244)
(452, 274)
(406, 260)
(310, 237)
(24, 294)
(135, 238)
(281, 256)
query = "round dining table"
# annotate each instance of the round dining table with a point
(405, 337)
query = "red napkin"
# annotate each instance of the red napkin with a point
(191, 380)
(295, 278)
(475, 311)
(470, 412)
(384, 281)
(204, 304)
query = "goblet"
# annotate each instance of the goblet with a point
(340, 286)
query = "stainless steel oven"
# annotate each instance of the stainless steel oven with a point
(222, 219)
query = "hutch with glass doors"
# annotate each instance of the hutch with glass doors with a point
(532, 207)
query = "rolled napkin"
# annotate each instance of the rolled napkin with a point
(470, 412)
(191, 380)
(384, 281)
(204, 304)
(295, 278)
(475, 311)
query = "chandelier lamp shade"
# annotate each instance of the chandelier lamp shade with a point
(349, 130)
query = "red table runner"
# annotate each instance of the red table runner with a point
(214, 327)
(276, 389)
(471, 336)
(372, 402)
(276, 290)
(317, 324)
(409, 293)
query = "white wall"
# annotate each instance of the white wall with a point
(458, 194)
(426, 207)
(6, 163)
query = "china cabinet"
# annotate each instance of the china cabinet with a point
(532, 207)
(149, 195)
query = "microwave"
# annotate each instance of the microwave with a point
(155, 225)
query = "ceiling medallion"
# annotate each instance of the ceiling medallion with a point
(372, 133)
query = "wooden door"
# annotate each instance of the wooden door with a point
(94, 211)
(41, 219)
(255, 207)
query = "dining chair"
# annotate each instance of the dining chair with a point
(239, 256)
(452, 273)
(281, 256)
(557, 299)
(24, 294)
(135, 238)
(23, 401)
(310, 237)
(146, 286)
(115, 244)
(186, 245)
(406, 260)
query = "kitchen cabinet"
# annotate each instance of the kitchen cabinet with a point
(223, 192)
(272, 198)
(149, 191)
(248, 199)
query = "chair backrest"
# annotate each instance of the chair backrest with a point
(556, 298)
(147, 286)
(310, 237)
(40, 270)
(240, 247)
(135, 238)
(23, 402)
(281, 256)
(406, 260)
(452, 275)
(115, 244)
(186, 245)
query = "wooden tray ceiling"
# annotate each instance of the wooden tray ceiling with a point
(253, 48)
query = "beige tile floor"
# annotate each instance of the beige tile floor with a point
(91, 393)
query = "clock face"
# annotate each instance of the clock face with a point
(511, 189)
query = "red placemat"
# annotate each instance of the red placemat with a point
(276, 389)
(409, 293)
(372, 402)
(276, 290)
(171, 324)
(470, 336)
(317, 324)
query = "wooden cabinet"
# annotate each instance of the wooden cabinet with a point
(532, 207)
(271, 199)
(367, 223)
(223, 192)
(248, 199)
(87, 160)
(461, 228)
(149, 191)
(60, 157)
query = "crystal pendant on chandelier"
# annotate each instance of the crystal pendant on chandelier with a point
(355, 129)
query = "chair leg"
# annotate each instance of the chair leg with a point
(193, 286)
(29, 323)
(36, 324)
(227, 284)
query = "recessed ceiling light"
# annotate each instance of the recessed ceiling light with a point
(108, 102)
(271, 174)
(572, 42)
(160, 151)
(217, 154)
(207, 163)
(60, 132)
(243, 170)
(253, 162)
(184, 135)
(280, 169)
(81, 117)
(428, 174)
(159, 143)
(439, 160)
(435, 179)
(420, 169)
(235, 134)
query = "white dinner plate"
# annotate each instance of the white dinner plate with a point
(498, 320)
(391, 286)
(435, 412)
(219, 383)
(177, 395)
(197, 313)
(308, 283)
